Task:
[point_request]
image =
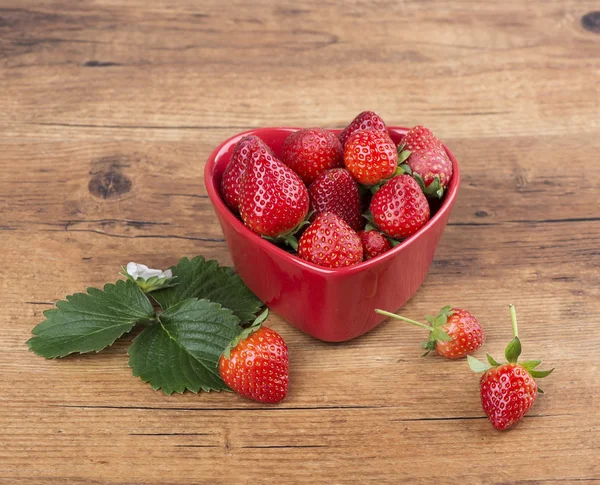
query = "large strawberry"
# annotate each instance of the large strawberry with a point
(255, 365)
(427, 160)
(453, 333)
(400, 208)
(336, 191)
(508, 390)
(367, 120)
(374, 243)
(370, 156)
(232, 177)
(311, 151)
(273, 199)
(329, 241)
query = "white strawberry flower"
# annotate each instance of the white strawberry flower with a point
(148, 279)
(136, 270)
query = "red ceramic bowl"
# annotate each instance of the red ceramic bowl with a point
(329, 304)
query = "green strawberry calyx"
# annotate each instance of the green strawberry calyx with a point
(436, 333)
(290, 238)
(371, 226)
(433, 190)
(511, 353)
(246, 332)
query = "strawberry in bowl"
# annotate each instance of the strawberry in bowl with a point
(329, 285)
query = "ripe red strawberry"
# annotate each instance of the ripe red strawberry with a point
(427, 159)
(336, 191)
(453, 333)
(311, 151)
(256, 365)
(465, 332)
(508, 390)
(370, 156)
(374, 243)
(232, 177)
(273, 199)
(367, 120)
(400, 208)
(329, 241)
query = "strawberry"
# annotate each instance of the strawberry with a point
(400, 208)
(370, 156)
(374, 243)
(311, 151)
(367, 120)
(232, 177)
(255, 365)
(273, 199)
(336, 191)
(427, 160)
(329, 241)
(453, 333)
(508, 390)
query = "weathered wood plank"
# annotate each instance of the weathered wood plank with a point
(109, 110)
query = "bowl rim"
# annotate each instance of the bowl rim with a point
(224, 211)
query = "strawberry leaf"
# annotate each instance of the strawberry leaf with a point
(182, 350)
(531, 364)
(198, 278)
(476, 365)
(434, 189)
(513, 350)
(493, 362)
(402, 157)
(538, 374)
(90, 321)
(438, 334)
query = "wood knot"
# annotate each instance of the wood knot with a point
(591, 22)
(109, 184)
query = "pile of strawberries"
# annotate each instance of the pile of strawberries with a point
(358, 192)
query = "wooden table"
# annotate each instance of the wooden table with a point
(109, 110)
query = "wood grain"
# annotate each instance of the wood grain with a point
(109, 110)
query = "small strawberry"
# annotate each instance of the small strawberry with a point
(427, 160)
(255, 364)
(508, 390)
(336, 191)
(329, 241)
(232, 177)
(370, 156)
(400, 208)
(311, 151)
(367, 120)
(374, 243)
(273, 199)
(453, 333)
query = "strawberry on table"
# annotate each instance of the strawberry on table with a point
(508, 390)
(273, 199)
(370, 156)
(374, 243)
(453, 333)
(232, 177)
(310, 151)
(400, 208)
(427, 159)
(367, 120)
(255, 365)
(336, 191)
(329, 241)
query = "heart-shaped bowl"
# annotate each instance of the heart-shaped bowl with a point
(330, 304)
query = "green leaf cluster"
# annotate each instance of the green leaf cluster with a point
(181, 343)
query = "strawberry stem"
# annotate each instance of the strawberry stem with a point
(513, 316)
(404, 319)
